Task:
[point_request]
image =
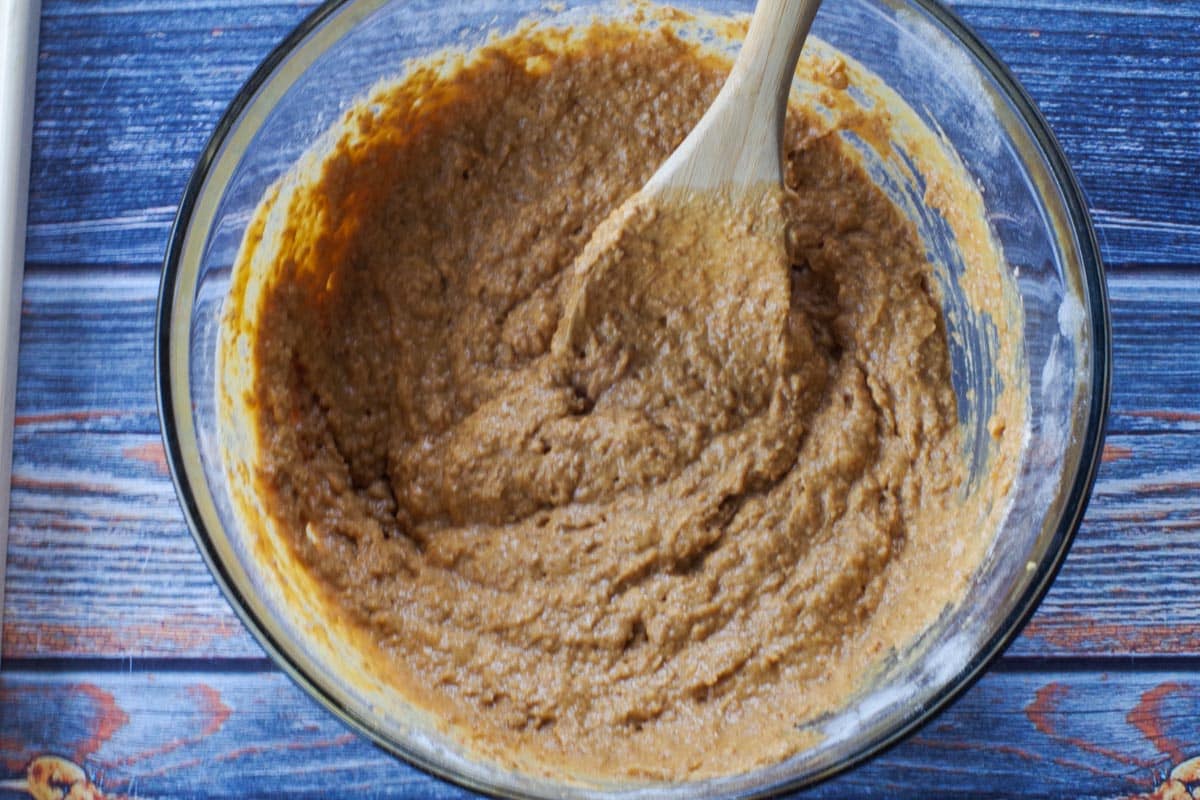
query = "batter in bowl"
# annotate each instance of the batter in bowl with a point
(601, 553)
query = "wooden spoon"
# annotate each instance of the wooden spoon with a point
(692, 271)
(738, 141)
(675, 330)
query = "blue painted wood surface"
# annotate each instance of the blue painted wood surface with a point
(120, 654)
(189, 733)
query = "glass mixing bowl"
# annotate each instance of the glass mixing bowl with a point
(953, 83)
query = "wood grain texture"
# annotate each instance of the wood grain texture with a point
(197, 734)
(101, 564)
(1126, 588)
(128, 94)
(87, 351)
(1156, 351)
(100, 561)
(1117, 82)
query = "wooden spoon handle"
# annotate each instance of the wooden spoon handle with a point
(738, 140)
(767, 62)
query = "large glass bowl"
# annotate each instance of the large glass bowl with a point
(953, 83)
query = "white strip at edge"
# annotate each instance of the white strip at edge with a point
(19, 26)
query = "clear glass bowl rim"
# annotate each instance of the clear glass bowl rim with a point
(1094, 288)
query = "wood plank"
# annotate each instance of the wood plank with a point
(165, 735)
(87, 351)
(127, 99)
(1124, 589)
(1117, 83)
(101, 564)
(100, 560)
(160, 734)
(86, 359)
(1156, 351)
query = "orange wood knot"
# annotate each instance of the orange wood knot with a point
(55, 778)
(1182, 784)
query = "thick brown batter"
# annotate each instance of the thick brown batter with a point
(651, 541)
